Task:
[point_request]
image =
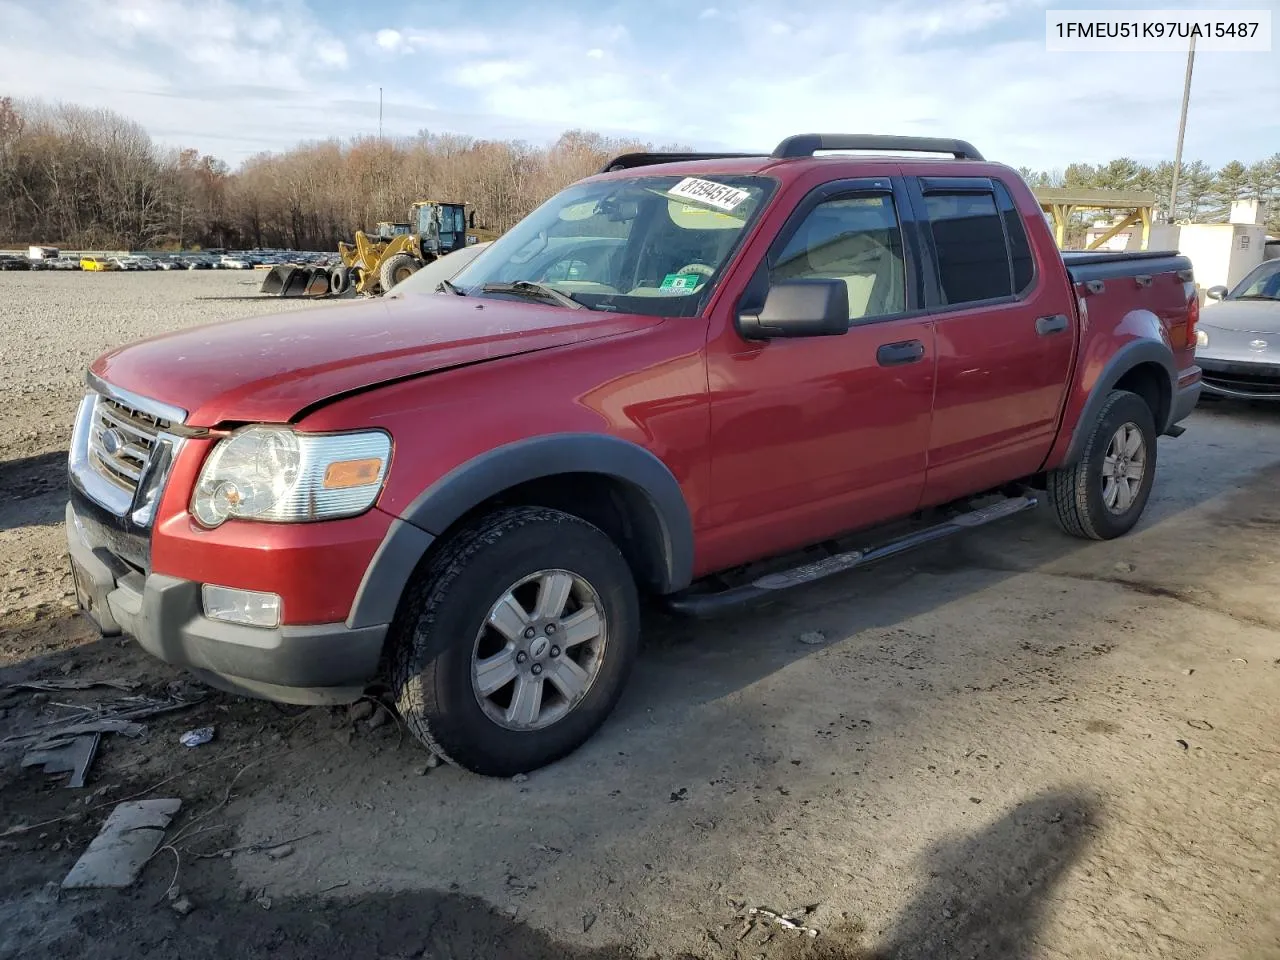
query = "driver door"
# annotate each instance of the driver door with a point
(812, 437)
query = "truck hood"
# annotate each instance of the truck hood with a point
(1250, 316)
(268, 369)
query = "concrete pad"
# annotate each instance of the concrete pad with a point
(123, 845)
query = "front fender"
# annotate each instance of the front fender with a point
(447, 500)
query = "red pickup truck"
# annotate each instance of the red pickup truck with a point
(698, 378)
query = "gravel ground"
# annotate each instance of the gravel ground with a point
(1017, 745)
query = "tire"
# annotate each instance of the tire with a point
(444, 629)
(1080, 493)
(339, 279)
(397, 269)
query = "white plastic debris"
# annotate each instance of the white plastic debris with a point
(196, 738)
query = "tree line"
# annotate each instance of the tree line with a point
(78, 177)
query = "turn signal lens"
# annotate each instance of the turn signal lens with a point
(1202, 338)
(352, 473)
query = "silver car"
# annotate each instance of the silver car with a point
(1238, 337)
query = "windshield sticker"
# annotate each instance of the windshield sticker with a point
(709, 192)
(680, 282)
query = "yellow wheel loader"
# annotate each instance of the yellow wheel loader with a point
(374, 264)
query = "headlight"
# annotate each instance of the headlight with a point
(1202, 338)
(279, 475)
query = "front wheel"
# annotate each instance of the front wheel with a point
(1102, 496)
(514, 644)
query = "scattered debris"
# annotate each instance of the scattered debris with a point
(433, 761)
(520, 778)
(975, 799)
(280, 852)
(1239, 660)
(813, 637)
(360, 710)
(1188, 672)
(335, 886)
(1184, 744)
(757, 916)
(126, 842)
(588, 921)
(50, 686)
(182, 906)
(678, 795)
(72, 756)
(264, 902)
(116, 716)
(197, 737)
(1125, 567)
(1200, 724)
(380, 717)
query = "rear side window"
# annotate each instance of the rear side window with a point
(1019, 248)
(968, 237)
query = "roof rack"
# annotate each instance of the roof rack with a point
(807, 144)
(629, 160)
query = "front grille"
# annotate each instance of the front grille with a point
(121, 441)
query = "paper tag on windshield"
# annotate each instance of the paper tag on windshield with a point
(709, 192)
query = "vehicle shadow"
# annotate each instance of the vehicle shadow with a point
(33, 490)
(989, 892)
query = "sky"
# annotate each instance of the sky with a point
(237, 77)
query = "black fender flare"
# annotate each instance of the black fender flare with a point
(442, 504)
(1127, 358)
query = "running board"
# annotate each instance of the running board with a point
(712, 604)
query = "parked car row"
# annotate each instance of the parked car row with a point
(177, 261)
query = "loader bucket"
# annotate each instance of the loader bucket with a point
(291, 280)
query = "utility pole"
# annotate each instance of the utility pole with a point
(1184, 110)
(1182, 129)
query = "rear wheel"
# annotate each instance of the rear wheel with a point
(1103, 495)
(397, 269)
(515, 643)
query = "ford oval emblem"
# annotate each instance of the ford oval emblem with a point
(112, 441)
(1257, 345)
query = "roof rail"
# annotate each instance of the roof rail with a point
(807, 144)
(629, 160)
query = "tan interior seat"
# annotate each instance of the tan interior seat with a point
(869, 268)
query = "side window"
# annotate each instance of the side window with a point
(1019, 247)
(857, 240)
(973, 260)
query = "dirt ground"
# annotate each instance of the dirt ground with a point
(1015, 745)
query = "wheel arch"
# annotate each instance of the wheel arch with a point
(1144, 367)
(612, 483)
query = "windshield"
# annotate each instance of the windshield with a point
(1262, 284)
(648, 244)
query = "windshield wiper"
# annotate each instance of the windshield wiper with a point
(448, 286)
(534, 291)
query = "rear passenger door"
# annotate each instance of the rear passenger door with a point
(1003, 339)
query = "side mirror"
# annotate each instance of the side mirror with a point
(1218, 292)
(800, 308)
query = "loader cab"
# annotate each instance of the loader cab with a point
(441, 226)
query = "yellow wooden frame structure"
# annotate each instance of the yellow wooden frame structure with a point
(1060, 202)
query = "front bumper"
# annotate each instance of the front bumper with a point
(308, 664)
(1241, 379)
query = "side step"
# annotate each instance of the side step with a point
(711, 604)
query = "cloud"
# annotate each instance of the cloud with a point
(389, 39)
(595, 53)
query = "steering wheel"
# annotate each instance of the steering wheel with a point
(698, 268)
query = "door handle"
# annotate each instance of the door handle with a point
(893, 354)
(1055, 324)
